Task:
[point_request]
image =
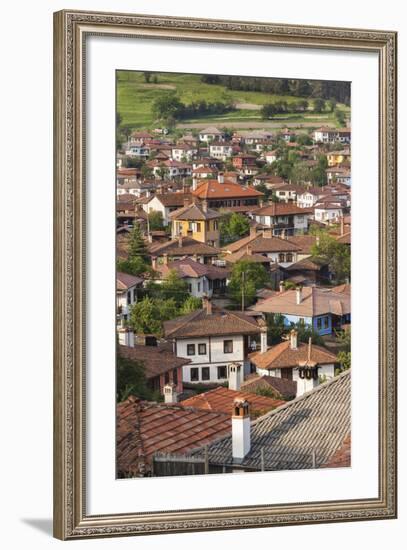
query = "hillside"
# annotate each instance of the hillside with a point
(135, 97)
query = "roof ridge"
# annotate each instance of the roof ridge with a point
(191, 317)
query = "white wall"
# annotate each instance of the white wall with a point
(27, 63)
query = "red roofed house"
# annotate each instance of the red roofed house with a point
(126, 294)
(302, 363)
(283, 217)
(221, 193)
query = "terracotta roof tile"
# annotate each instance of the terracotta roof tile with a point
(212, 189)
(283, 356)
(155, 359)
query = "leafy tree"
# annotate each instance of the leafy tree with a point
(134, 266)
(147, 76)
(191, 304)
(319, 105)
(147, 315)
(246, 278)
(167, 106)
(305, 332)
(275, 328)
(304, 139)
(268, 111)
(131, 379)
(318, 174)
(233, 226)
(162, 172)
(340, 117)
(137, 245)
(155, 220)
(335, 255)
(174, 288)
(146, 172)
(344, 358)
(332, 104)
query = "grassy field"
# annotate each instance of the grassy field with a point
(135, 97)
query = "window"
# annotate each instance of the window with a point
(167, 377)
(319, 323)
(194, 375)
(202, 349)
(227, 346)
(190, 349)
(199, 287)
(289, 257)
(189, 288)
(326, 322)
(175, 376)
(222, 372)
(129, 298)
(205, 373)
(135, 295)
(281, 257)
(215, 225)
(198, 227)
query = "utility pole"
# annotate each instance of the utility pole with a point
(243, 281)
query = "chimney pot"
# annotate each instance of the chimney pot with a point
(298, 293)
(170, 393)
(281, 286)
(240, 429)
(207, 304)
(293, 339)
(234, 376)
(221, 177)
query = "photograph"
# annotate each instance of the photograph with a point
(233, 274)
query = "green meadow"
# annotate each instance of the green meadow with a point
(135, 98)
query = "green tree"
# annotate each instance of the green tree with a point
(147, 315)
(233, 226)
(344, 358)
(147, 76)
(174, 288)
(331, 105)
(191, 304)
(340, 117)
(319, 105)
(246, 278)
(155, 220)
(268, 111)
(167, 106)
(137, 245)
(131, 379)
(335, 255)
(133, 266)
(275, 328)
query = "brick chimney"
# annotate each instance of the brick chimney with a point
(170, 393)
(234, 376)
(342, 226)
(253, 231)
(293, 339)
(187, 201)
(240, 430)
(249, 250)
(298, 294)
(207, 304)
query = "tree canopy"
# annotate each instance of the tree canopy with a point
(233, 226)
(336, 255)
(246, 278)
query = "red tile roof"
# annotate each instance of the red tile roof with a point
(280, 387)
(281, 209)
(342, 457)
(282, 356)
(156, 360)
(125, 281)
(221, 399)
(187, 267)
(212, 189)
(147, 428)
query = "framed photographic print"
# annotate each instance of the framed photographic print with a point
(213, 368)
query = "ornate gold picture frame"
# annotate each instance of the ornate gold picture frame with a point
(71, 519)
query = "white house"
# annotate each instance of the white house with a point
(220, 150)
(137, 150)
(325, 134)
(309, 197)
(166, 203)
(183, 152)
(211, 134)
(214, 340)
(126, 294)
(283, 217)
(306, 364)
(270, 156)
(328, 211)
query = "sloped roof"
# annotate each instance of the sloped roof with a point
(262, 243)
(281, 387)
(315, 301)
(210, 130)
(310, 428)
(194, 212)
(303, 242)
(306, 264)
(156, 360)
(187, 267)
(184, 246)
(146, 428)
(172, 199)
(125, 281)
(281, 209)
(283, 356)
(219, 322)
(212, 189)
(221, 399)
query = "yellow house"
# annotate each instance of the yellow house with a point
(198, 222)
(335, 158)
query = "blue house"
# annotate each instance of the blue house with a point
(325, 310)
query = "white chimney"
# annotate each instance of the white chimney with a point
(207, 304)
(298, 294)
(221, 178)
(240, 429)
(281, 286)
(293, 339)
(194, 183)
(170, 393)
(234, 376)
